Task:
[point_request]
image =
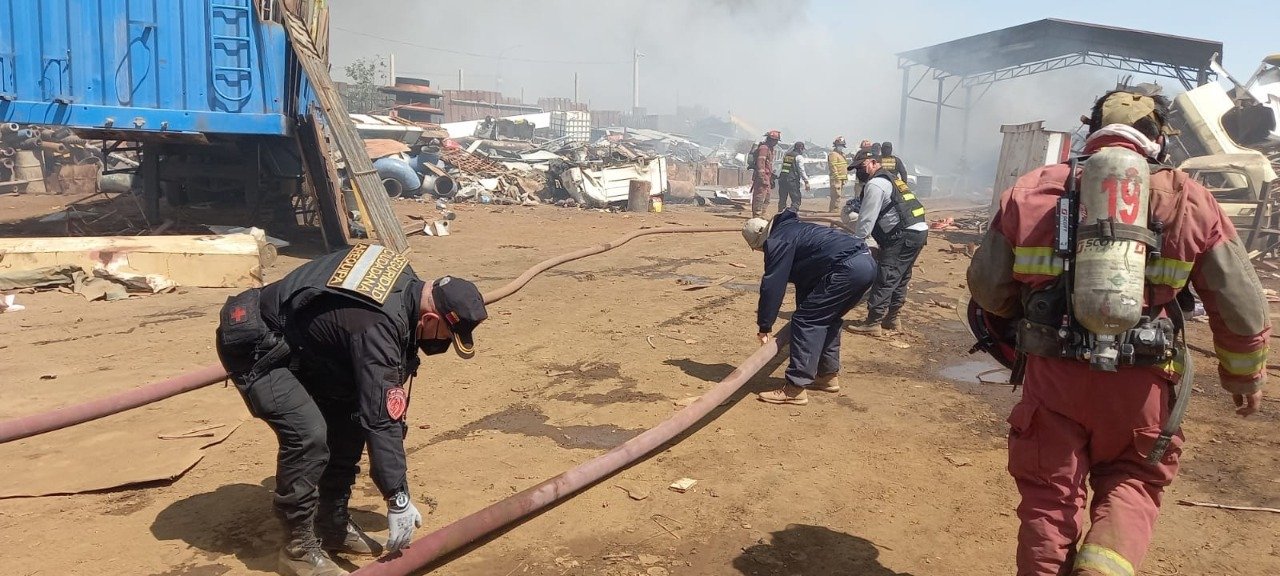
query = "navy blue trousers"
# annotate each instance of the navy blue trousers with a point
(819, 316)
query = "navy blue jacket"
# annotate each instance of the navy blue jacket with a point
(800, 253)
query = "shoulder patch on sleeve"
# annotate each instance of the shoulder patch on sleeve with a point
(397, 402)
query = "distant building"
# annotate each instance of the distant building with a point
(561, 105)
(466, 105)
(606, 118)
(415, 100)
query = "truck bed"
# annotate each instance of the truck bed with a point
(142, 69)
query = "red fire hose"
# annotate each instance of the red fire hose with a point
(59, 418)
(452, 537)
(26, 426)
(465, 530)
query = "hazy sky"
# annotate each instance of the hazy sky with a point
(812, 68)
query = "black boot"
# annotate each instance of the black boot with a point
(302, 555)
(339, 534)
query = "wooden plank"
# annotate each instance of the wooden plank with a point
(213, 261)
(364, 179)
(322, 175)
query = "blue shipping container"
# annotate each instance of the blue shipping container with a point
(148, 67)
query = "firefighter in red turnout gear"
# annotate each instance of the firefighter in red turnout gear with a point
(1085, 417)
(760, 161)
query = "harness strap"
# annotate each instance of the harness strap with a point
(1111, 230)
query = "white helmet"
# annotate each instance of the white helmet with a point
(755, 231)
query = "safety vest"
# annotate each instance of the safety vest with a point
(788, 165)
(838, 166)
(902, 199)
(889, 163)
(378, 277)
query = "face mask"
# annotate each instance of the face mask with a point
(862, 175)
(434, 346)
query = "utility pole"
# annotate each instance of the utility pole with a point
(575, 87)
(460, 84)
(635, 80)
(391, 69)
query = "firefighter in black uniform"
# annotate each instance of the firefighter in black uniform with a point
(791, 178)
(323, 356)
(892, 164)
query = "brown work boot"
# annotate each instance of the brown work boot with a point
(826, 383)
(302, 556)
(890, 324)
(354, 542)
(868, 328)
(787, 394)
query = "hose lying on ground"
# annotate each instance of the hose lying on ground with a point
(26, 426)
(467, 529)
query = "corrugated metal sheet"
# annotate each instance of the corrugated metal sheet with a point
(1026, 147)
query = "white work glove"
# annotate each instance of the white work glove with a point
(402, 519)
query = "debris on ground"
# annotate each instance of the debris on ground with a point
(113, 267)
(633, 492)
(7, 304)
(683, 485)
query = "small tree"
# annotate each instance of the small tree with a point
(366, 74)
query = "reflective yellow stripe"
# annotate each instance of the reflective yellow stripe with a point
(918, 212)
(1242, 363)
(1103, 561)
(1169, 272)
(908, 196)
(1036, 260)
(1173, 367)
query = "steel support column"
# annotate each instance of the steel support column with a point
(937, 122)
(902, 108)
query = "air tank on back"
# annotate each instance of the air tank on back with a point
(1109, 272)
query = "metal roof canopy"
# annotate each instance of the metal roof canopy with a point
(1043, 46)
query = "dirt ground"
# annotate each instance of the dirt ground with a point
(902, 473)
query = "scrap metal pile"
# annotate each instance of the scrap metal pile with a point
(519, 172)
(36, 159)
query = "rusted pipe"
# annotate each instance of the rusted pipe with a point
(59, 418)
(467, 529)
(8, 128)
(27, 426)
(53, 147)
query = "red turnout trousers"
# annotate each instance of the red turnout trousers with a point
(1076, 425)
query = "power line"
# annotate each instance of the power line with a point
(478, 55)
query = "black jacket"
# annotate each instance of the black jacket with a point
(349, 347)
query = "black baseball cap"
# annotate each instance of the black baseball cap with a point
(461, 306)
